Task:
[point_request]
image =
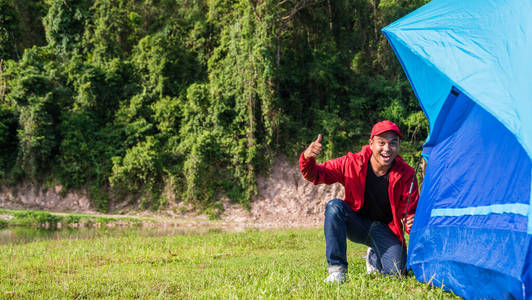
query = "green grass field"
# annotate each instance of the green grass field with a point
(276, 264)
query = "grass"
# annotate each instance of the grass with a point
(277, 264)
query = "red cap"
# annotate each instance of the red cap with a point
(384, 126)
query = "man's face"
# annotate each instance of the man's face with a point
(385, 147)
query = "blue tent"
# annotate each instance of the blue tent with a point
(470, 65)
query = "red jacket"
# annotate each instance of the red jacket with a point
(350, 170)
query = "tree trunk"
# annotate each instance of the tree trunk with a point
(375, 5)
(330, 15)
(3, 83)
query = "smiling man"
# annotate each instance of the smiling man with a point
(377, 182)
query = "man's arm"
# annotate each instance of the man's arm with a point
(329, 172)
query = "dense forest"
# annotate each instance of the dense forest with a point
(129, 97)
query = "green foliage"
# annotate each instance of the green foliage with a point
(203, 167)
(134, 97)
(135, 170)
(30, 27)
(72, 219)
(65, 24)
(242, 96)
(108, 33)
(36, 94)
(9, 30)
(36, 218)
(8, 139)
(47, 220)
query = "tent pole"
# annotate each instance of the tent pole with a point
(406, 213)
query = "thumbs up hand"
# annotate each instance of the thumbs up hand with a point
(313, 149)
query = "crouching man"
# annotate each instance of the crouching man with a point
(377, 182)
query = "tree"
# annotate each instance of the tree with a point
(9, 31)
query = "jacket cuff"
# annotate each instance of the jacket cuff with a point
(307, 167)
(303, 160)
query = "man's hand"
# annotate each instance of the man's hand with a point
(314, 148)
(409, 222)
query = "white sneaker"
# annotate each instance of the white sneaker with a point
(370, 269)
(335, 277)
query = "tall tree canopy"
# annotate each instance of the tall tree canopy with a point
(132, 97)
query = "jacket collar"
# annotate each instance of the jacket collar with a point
(397, 165)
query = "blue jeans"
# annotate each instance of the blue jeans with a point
(342, 222)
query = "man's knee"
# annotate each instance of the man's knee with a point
(396, 269)
(391, 263)
(334, 207)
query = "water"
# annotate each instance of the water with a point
(22, 235)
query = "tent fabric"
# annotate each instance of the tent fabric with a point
(470, 231)
(470, 65)
(482, 47)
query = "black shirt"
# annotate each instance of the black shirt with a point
(376, 205)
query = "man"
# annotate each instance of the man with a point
(377, 182)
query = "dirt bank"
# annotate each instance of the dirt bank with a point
(30, 196)
(285, 199)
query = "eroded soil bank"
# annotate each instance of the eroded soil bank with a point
(285, 199)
